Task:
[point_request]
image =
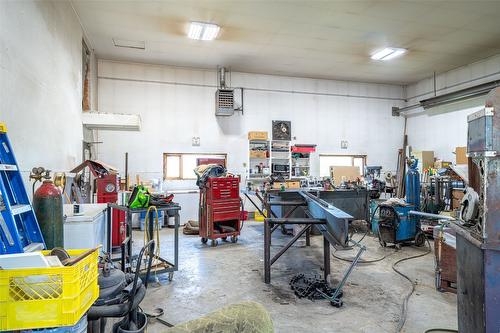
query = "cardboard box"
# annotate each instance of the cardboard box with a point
(461, 155)
(256, 135)
(425, 159)
(258, 154)
(293, 184)
(441, 164)
(344, 173)
(278, 185)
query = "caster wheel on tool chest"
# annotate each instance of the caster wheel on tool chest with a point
(234, 239)
(170, 276)
(213, 242)
(224, 239)
(204, 240)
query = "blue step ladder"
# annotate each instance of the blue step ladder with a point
(19, 229)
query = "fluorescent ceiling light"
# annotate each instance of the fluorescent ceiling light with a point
(388, 53)
(203, 31)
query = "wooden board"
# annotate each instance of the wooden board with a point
(257, 135)
(461, 155)
(344, 173)
(425, 159)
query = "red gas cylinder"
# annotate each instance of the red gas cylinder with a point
(48, 206)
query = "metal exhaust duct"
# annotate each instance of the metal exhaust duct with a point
(448, 98)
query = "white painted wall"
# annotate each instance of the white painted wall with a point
(40, 82)
(443, 130)
(440, 133)
(460, 78)
(178, 103)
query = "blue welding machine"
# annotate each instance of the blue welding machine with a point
(395, 224)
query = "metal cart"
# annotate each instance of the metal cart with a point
(126, 257)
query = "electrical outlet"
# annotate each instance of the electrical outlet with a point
(195, 141)
(343, 144)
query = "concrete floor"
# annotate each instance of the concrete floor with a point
(209, 278)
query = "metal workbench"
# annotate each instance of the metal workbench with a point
(126, 258)
(352, 201)
(296, 206)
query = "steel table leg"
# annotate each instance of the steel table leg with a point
(176, 240)
(151, 230)
(290, 243)
(326, 257)
(109, 230)
(129, 244)
(254, 204)
(267, 252)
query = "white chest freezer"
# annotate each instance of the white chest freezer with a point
(87, 230)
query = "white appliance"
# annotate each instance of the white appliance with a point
(87, 229)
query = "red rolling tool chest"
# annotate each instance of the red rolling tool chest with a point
(220, 210)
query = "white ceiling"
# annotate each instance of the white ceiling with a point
(319, 39)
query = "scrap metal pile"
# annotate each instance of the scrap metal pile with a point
(313, 288)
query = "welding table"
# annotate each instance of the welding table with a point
(126, 246)
(270, 224)
(352, 201)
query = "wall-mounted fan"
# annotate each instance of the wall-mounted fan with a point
(282, 130)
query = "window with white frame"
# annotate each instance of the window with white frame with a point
(181, 165)
(328, 160)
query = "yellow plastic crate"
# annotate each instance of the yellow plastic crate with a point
(48, 297)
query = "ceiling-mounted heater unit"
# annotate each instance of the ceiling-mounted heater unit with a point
(224, 96)
(224, 102)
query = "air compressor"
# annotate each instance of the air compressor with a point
(398, 220)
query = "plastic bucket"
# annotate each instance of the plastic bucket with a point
(142, 323)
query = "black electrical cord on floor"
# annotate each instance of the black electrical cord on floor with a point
(404, 309)
(158, 312)
(363, 261)
(359, 261)
(441, 330)
(368, 229)
(362, 237)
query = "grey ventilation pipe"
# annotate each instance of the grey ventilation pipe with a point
(222, 77)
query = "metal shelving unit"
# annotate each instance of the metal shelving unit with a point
(281, 156)
(259, 166)
(301, 160)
